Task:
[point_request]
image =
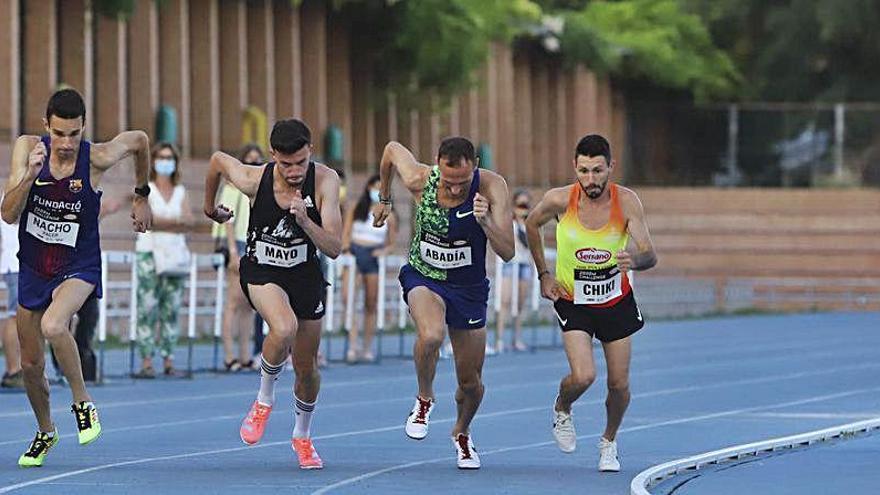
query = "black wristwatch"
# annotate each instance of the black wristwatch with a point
(142, 191)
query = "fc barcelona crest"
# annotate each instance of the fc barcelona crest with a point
(76, 185)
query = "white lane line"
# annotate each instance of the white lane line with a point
(690, 419)
(656, 393)
(488, 372)
(449, 420)
(544, 383)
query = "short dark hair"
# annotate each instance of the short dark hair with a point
(593, 145)
(66, 104)
(455, 148)
(289, 136)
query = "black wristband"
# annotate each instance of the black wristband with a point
(142, 191)
(385, 201)
(544, 272)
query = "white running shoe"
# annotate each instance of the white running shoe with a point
(466, 453)
(417, 421)
(563, 431)
(608, 456)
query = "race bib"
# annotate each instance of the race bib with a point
(52, 232)
(443, 254)
(284, 257)
(597, 287)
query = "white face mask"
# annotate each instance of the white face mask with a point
(374, 195)
(165, 166)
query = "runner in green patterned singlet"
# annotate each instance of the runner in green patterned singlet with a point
(460, 208)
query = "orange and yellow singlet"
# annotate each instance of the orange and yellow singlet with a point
(586, 260)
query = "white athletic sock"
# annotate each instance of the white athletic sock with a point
(302, 418)
(268, 375)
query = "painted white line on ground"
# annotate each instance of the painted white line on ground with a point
(384, 380)
(655, 393)
(544, 383)
(656, 474)
(690, 419)
(68, 474)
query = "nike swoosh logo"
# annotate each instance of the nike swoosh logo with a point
(43, 183)
(460, 214)
(474, 322)
(564, 322)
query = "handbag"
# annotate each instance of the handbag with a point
(170, 254)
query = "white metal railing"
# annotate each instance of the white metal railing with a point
(198, 262)
(652, 476)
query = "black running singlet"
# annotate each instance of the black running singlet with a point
(274, 240)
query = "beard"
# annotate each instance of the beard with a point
(593, 191)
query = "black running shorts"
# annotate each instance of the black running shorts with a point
(305, 288)
(606, 324)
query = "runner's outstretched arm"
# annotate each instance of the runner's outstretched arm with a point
(493, 214)
(414, 174)
(551, 205)
(639, 253)
(245, 178)
(106, 155)
(327, 236)
(27, 160)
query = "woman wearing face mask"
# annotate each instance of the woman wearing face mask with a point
(522, 261)
(238, 317)
(160, 285)
(367, 243)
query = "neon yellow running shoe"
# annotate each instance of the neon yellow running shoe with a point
(38, 449)
(87, 423)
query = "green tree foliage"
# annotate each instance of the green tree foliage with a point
(651, 40)
(438, 44)
(435, 45)
(799, 50)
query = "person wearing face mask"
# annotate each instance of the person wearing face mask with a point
(238, 315)
(367, 243)
(160, 284)
(522, 262)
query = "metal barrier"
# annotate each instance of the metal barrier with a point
(392, 313)
(198, 262)
(346, 264)
(344, 313)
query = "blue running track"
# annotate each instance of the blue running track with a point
(698, 385)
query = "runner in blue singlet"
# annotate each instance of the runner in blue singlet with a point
(444, 284)
(53, 194)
